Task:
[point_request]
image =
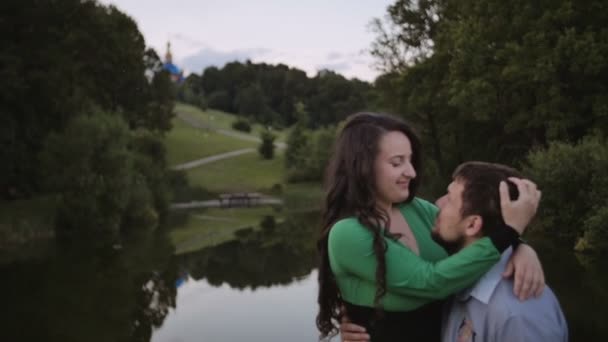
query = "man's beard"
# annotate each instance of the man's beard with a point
(450, 246)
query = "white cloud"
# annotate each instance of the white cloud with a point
(334, 55)
(302, 34)
(206, 57)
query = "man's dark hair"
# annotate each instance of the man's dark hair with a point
(481, 195)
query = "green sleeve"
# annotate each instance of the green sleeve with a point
(351, 252)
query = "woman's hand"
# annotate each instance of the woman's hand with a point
(520, 212)
(350, 332)
(529, 275)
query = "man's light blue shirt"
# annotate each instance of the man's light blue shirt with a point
(489, 311)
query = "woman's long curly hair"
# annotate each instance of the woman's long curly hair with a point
(350, 184)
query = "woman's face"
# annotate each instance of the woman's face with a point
(394, 169)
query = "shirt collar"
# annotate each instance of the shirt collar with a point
(485, 286)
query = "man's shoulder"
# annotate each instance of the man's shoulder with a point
(504, 304)
(505, 312)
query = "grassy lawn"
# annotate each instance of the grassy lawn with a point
(303, 196)
(213, 117)
(210, 227)
(247, 172)
(185, 143)
(223, 120)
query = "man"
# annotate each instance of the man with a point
(488, 311)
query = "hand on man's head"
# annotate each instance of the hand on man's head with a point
(519, 212)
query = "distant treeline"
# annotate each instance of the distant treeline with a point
(270, 94)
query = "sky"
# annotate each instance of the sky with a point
(310, 35)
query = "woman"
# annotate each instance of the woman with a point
(378, 260)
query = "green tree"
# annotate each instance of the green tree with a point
(151, 192)
(266, 148)
(191, 91)
(251, 102)
(91, 166)
(296, 141)
(269, 93)
(320, 151)
(242, 125)
(491, 80)
(60, 59)
(220, 100)
(333, 98)
(575, 188)
(309, 160)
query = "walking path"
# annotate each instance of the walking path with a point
(216, 157)
(196, 123)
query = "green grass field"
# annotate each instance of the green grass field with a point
(303, 196)
(185, 143)
(210, 227)
(223, 120)
(247, 172)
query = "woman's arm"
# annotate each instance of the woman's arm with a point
(529, 278)
(529, 275)
(351, 252)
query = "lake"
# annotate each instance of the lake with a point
(258, 287)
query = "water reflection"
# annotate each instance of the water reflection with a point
(223, 314)
(259, 287)
(237, 290)
(82, 293)
(276, 254)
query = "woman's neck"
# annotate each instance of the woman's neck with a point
(386, 206)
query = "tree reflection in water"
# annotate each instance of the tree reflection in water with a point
(90, 293)
(85, 292)
(276, 254)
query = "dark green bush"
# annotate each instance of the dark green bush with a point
(241, 125)
(574, 183)
(266, 148)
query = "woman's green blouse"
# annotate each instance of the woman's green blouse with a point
(411, 280)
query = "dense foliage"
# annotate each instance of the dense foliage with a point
(83, 107)
(498, 80)
(269, 94)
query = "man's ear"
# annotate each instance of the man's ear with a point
(473, 225)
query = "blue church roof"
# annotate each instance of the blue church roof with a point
(172, 68)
